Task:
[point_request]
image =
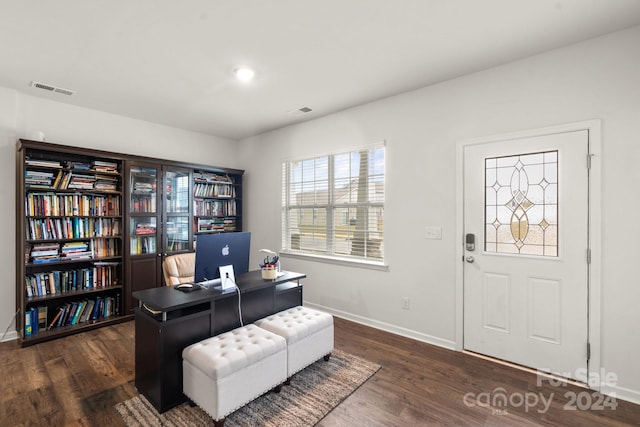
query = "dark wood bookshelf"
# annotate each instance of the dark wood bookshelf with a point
(164, 193)
(41, 168)
(47, 174)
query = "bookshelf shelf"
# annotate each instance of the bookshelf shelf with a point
(71, 216)
(67, 240)
(215, 197)
(71, 191)
(74, 261)
(74, 293)
(63, 331)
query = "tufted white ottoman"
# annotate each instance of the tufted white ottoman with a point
(309, 335)
(227, 371)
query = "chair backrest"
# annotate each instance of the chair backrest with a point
(179, 268)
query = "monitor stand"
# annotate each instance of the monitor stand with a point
(208, 284)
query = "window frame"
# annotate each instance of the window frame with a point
(331, 206)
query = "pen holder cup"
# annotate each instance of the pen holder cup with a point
(269, 273)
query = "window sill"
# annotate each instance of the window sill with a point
(349, 262)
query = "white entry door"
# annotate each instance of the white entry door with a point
(526, 278)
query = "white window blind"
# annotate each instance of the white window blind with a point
(333, 205)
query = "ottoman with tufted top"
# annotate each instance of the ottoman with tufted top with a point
(309, 335)
(227, 371)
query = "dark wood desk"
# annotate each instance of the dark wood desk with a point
(184, 318)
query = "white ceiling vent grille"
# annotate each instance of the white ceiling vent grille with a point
(51, 88)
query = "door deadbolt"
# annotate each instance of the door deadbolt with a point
(470, 242)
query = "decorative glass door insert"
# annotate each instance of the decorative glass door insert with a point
(521, 204)
(143, 210)
(176, 210)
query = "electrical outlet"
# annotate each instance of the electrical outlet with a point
(404, 303)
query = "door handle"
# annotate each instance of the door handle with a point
(469, 259)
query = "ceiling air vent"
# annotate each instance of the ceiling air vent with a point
(52, 88)
(299, 111)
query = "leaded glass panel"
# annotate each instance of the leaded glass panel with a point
(521, 204)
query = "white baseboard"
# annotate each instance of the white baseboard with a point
(10, 336)
(450, 345)
(622, 393)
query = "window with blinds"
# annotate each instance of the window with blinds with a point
(333, 205)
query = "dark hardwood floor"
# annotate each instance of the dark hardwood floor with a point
(77, 380)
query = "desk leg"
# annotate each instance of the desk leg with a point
(159, 348)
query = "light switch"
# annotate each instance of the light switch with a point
(434, 233)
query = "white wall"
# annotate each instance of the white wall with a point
(23, 116)
(597, 79)
(8, 119)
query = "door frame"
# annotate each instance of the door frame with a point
(594, 274)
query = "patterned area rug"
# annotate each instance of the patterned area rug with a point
(313, 393)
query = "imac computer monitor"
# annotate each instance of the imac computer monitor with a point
(215, 250)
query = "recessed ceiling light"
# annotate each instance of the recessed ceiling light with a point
(244, 74)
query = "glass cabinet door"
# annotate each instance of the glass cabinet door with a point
(143, 210)
(177, 205)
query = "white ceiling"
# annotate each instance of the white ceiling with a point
(171, 62)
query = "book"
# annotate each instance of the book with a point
(45, 260)
(70, 311)
(35, 253)
(56, 318)
(96, 309)
(29, 286)
(40, 289)
(64, 182)
(88, 310)
(151, 310)
(56, 183)
(42, 317)
(27, 323)
(116, 308)
(34, 320)
(65, 314)
(43, 163)
(101, 307)
(79, 309)
(57, 281)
